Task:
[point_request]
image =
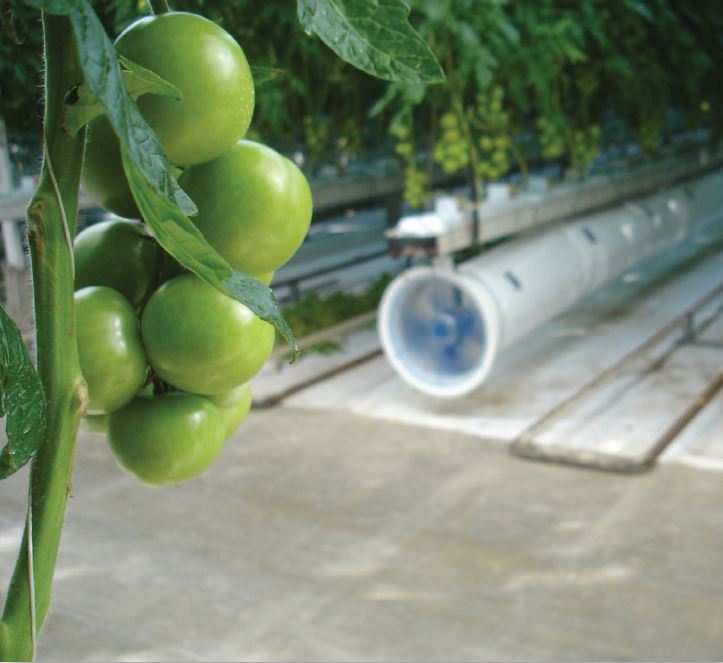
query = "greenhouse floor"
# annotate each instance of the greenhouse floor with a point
(326, 536)
(360, 521)
(622, 421)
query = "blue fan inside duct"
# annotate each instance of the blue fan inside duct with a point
(440, 330)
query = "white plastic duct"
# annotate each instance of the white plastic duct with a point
(441, 329)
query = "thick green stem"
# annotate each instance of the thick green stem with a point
(51, 224)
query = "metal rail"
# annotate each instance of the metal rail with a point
(276, 398)
(334, 333)
(294, 283)
(524, 445)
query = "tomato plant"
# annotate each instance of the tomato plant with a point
(163, 435)
(551, 80)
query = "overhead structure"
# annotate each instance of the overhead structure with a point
(442, 328)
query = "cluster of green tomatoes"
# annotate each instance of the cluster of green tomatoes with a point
(451, 151)
(491, 126)
(494, 142)
(416, 186)
(494, 156)
(585, 145)
(416, 180)
(550, 137)
(404, 146)
(166, 357)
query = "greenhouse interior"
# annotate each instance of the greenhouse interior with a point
(374, 330)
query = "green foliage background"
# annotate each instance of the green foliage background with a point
(565, 70)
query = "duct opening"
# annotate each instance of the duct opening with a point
(441, 329)
(435, 332)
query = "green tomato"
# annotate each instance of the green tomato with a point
(233, 407)
(102, 177)
(119, 255)
(266, 278)
(231, 398)
(166, 439)
(96, 424)
(254, 206)
(448, 121)
(111, 354)
(202, 341)
(234, 416)
(210, 71)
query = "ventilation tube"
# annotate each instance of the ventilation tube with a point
(442, 329)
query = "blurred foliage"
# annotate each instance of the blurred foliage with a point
(313, 312)
(558, 70)
(319, 99)
(21, 41)
(563, 70)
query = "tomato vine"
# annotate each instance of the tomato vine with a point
(85, 76)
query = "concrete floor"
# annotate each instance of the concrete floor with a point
(338, 528)
(625, 419)
(326, 536)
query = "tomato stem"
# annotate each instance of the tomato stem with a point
(158, 6)
(52, 217)
(151, 378)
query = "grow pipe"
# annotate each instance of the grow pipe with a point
(442, 328)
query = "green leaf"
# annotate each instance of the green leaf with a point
(374, 36)
(247, 289)
(59, 7)
(641, 9)
(140, 80)
(572, 52)
(22, 401)
(177, 234)
(509, 30)
(392, 91)
(82, 106)
(263, 75)
(305, 10)
(104, 78)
